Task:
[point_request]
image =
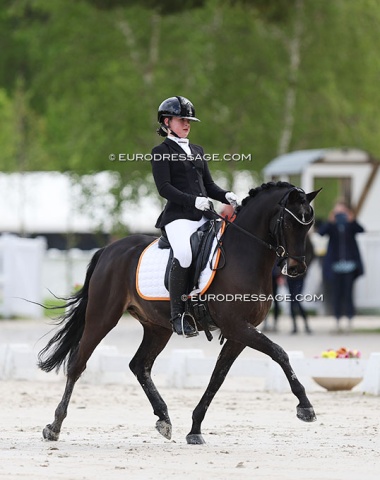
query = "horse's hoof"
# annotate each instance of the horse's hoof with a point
(306, 414)
(195, 439)
(48, 434)
(164, 428)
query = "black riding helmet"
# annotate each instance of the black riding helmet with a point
(175, 107)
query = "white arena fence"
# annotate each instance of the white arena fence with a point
(189, 368)
(21, 261)
(29, 271)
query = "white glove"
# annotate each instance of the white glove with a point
(232, 199)
(202, 203)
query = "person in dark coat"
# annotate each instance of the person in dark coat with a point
(183, 178)
(277, 279)
(295, 286)
(342, 264)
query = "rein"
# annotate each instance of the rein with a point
(279, 250)
(263, 242)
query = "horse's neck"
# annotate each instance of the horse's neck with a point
(254, 219)
(245, 249)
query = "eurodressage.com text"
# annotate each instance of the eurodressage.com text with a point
(254, 297)
(180, 157)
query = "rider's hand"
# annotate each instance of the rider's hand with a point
(232, 199)
(202, 203)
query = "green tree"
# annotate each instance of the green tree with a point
(82, 79)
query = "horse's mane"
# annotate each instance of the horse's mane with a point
(265, 186)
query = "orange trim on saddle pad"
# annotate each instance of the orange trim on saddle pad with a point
(165, 297)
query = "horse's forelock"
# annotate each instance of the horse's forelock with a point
(300, 206)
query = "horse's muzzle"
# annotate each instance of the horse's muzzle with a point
(294, 268)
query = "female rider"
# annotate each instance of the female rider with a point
(183, 178)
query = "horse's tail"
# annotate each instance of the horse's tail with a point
(65, 342)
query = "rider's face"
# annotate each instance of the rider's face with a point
(180, 126)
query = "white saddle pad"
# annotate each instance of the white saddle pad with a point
(151, 272)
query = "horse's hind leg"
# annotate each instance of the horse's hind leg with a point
(154, 341)
(52, 431)
(227, 356)
(76, 365)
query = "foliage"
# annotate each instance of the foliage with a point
(275, 11)
(168, 7)
(81, 79)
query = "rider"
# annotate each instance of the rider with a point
(183, 178)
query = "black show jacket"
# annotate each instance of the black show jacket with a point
(180, 180)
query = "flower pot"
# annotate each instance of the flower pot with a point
(333, 384)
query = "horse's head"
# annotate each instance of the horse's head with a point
(279, 215)
(293, 218)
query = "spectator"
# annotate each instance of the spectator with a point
(342, 264)
(277, 281)
(295, 286)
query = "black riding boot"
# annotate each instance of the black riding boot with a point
(295, 329)
(178, 288)
(307, 328)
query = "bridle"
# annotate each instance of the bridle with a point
(279, 248)
(278, 229)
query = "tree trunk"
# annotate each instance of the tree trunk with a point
(293, 46)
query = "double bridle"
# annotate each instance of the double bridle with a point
(278, 230)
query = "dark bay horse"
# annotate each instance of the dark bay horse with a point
(273, 220)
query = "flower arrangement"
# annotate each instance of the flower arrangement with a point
(341, 353)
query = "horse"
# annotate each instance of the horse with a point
(272, 222)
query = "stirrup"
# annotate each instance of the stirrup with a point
(186, 329)
(187, 314)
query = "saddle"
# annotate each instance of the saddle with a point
(201, 243)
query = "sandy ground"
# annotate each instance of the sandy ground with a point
(109, 432)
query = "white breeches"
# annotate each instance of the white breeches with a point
(179, 233)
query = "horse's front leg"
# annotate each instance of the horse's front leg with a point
(227, 356)
(255, 339)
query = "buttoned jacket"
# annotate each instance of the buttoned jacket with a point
(180, 179)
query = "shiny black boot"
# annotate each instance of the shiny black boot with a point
(182, 323)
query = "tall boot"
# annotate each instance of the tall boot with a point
(293, 313)
(307, 328)
(295, 329)
(178, 288)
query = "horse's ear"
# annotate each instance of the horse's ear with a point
(310, 196)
